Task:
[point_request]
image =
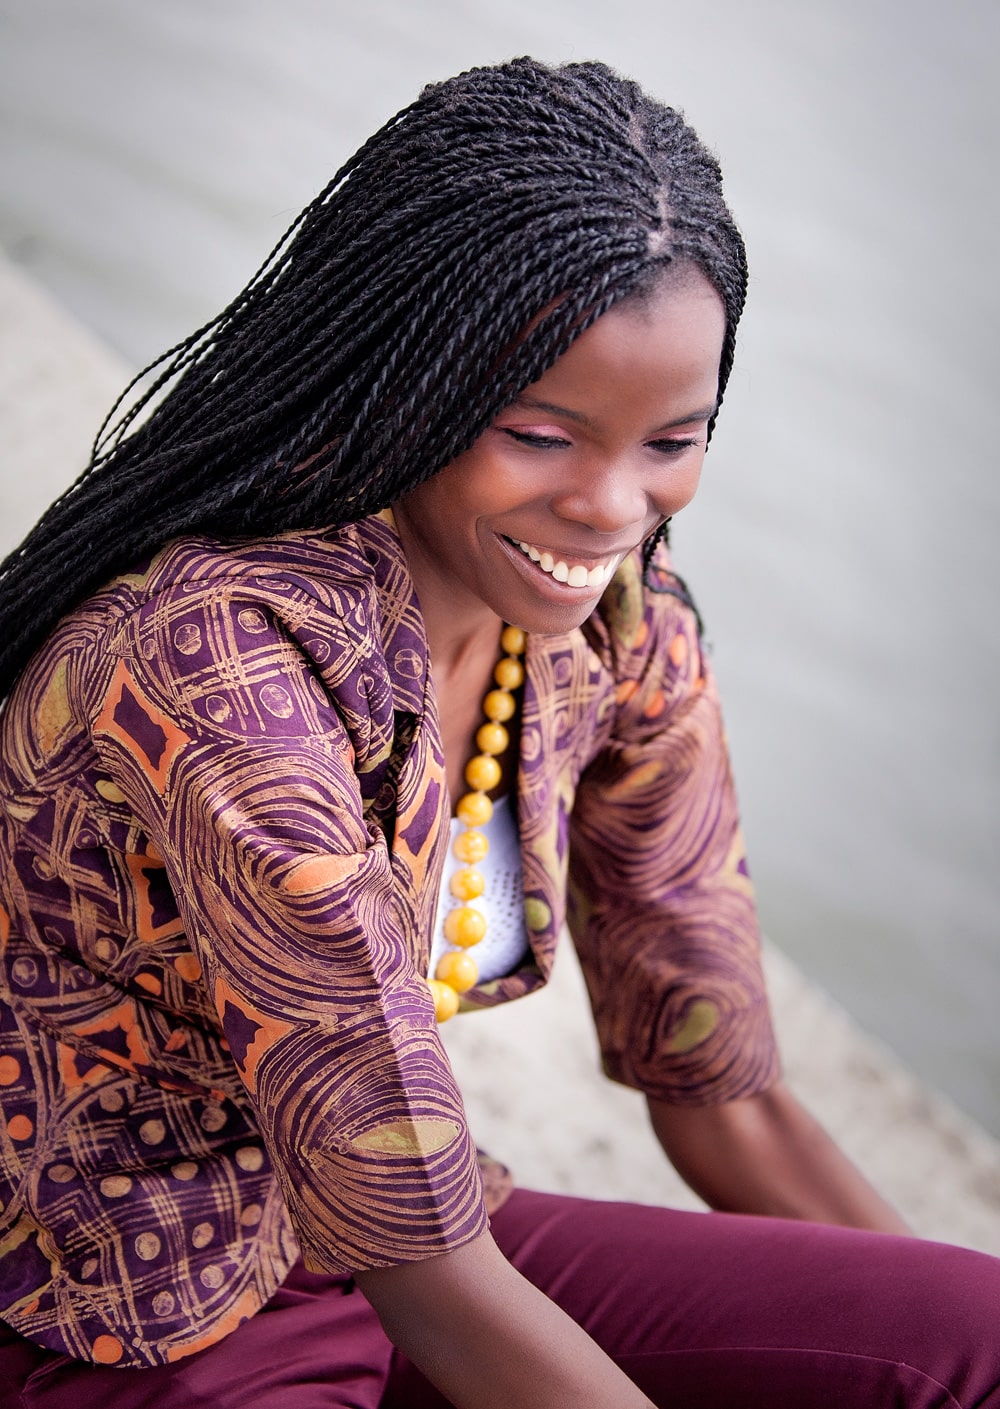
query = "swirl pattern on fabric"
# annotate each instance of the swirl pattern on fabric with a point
(224, 820)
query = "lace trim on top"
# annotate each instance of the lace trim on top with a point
(506, 942)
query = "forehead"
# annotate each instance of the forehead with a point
(665, 343)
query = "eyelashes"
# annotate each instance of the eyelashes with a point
(545, 442)
(673, 447)
(555, 442)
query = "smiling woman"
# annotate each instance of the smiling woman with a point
(351, 668)
(582, 468)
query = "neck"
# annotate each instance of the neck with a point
(460, 648)
(460, 629)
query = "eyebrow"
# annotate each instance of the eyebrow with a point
(704, 413)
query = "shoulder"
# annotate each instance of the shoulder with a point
(224, 627)
(321, 566)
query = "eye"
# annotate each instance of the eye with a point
(673, 447)
(541, 442)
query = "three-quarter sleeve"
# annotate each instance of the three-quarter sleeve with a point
(661, 905)
(244, 755)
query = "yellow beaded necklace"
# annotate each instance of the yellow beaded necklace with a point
(464, 926)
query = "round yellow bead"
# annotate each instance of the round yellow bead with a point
(464, 926)
(467, 883)
(470, 847)
(482, 772)
(458, 970)
(474, 809)
(512, 640)
(492, 738)
(445, 999)
(508, 673)
(499, 705)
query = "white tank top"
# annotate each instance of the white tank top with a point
(502, 902)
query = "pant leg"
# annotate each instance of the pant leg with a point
(705, 1310)
(317, 1344)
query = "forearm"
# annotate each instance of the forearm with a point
(488, 1339)
(768, 1155)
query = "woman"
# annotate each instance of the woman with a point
(469, 389)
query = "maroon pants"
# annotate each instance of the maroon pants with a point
(699, 1309)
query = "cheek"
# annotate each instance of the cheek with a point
(681, 490)
(443, 506)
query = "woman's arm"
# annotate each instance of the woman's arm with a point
(766, 1154)
(488, 1339)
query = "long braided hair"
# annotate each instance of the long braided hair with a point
(445, 267)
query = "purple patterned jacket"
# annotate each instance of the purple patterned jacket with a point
(224, 818)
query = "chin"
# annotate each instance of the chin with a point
(546, 619)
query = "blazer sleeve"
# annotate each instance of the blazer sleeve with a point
(661, 906)
(227, 739)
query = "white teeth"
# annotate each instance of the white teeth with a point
(576, 576)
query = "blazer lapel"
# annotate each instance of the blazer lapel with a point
(562, 679)
(416, 787)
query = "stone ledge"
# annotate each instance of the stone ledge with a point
(561, 1126)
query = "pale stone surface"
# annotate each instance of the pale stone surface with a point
(530, 1070)
(536, 1099)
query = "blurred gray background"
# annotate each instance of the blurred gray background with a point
(842, 547)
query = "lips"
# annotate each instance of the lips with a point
(573, 574)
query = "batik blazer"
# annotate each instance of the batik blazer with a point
(224, 822)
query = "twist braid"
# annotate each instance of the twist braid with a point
(446, 266)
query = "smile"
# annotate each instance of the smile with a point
(573, 574)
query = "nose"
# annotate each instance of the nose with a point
(609, 499)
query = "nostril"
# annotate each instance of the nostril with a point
(608, 510)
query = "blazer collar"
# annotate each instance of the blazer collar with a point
(400, 624)
(557, 668)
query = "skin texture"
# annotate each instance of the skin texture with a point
(768, 1155)
(588, 481)
(585, 464)
(488, 1339)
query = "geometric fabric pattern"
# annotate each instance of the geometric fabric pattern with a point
(224, 824)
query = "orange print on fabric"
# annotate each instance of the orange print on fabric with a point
(148, 735)
(116, 1035)
(431, 792)
(250, 1032)
(92, 1074)
(4, 927)
(241, 1310)
(320, 872)
(155, 909)
(108, 1350)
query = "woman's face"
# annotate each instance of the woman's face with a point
(531, 522)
